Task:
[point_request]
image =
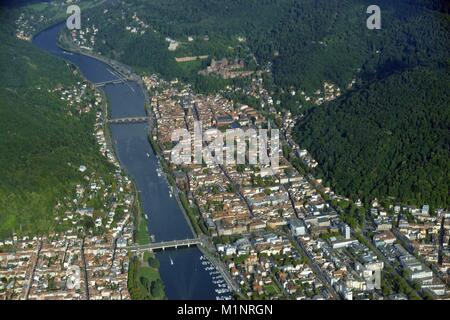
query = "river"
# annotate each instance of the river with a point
(186, 277)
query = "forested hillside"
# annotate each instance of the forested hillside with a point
(307, 41)
(38, 137)
(390, 138)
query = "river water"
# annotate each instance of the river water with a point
(182, 270)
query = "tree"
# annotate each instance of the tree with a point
(157, 288)
(153, 262)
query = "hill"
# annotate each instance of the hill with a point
(38, 137)
(307, 42)
(387, 139)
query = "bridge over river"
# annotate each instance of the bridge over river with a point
(129, 120)
(174, 244)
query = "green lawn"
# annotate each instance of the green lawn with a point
(142, 235)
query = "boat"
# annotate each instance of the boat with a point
(220, 291)
(148, 156)
(171, 261)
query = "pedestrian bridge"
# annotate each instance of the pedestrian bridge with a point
(175, 244)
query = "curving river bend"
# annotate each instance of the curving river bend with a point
(186, 278)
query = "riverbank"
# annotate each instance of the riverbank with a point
(192, 281)
(192, 218)
(195, 229)
(143, 278)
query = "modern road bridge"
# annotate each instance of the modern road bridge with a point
(165, 245)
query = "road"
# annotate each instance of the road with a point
(29, 283)
(165, 245)
(86, 283)
(316, 269)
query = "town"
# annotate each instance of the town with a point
(274, 234)
(281, 234)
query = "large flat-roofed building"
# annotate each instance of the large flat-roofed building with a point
(297, 227)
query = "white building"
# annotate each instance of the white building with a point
(345, 230)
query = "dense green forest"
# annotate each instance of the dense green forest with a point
(307, 41)
(38, 138)
(390, 138)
